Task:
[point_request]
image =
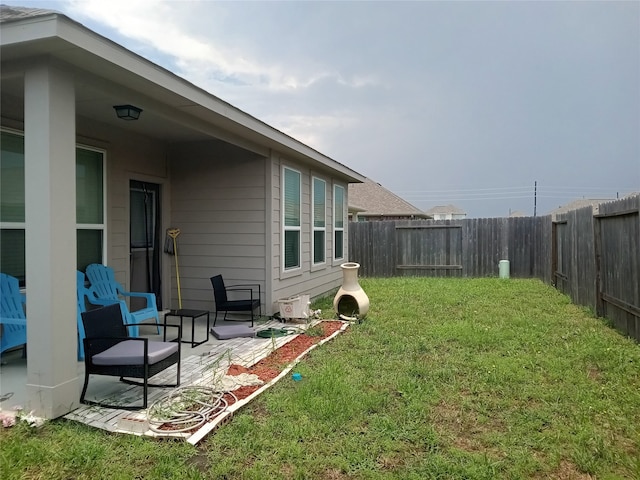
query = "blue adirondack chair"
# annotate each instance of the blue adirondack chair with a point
(108, 291)
(87, 297)
(12, 314)
(82, 293)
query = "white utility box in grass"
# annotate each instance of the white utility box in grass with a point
(294, 307)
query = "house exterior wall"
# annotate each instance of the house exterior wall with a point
(314, 280)
(127, 157)
(226, 202)
(218, 203)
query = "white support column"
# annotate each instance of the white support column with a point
(50, 241)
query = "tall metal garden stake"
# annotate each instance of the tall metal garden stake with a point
(173, 233)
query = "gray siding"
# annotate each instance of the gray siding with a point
(218, 203)
(319, 279)
(128, 157)
(226, 202)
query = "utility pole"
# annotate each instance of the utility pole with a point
(535, 197)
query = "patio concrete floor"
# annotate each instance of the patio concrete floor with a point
(199, 366)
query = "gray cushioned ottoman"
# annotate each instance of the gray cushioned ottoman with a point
(225, 332)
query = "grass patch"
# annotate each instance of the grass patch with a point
(452, 379)
(64, 450)
(445, 378)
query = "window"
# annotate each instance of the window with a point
(12, 205)
(291, 200)
(89, 205)
(319, 208)
(338, 222)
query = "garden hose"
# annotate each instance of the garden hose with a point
(276, 332)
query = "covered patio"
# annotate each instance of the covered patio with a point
(201, 366)
(89, 186)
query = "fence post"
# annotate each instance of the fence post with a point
(554, 253)
(597, 248)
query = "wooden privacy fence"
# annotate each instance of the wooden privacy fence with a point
(592, 257)
(461, 248)
(596, 261)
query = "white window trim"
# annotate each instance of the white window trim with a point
(335, 217)
(13, 225)
(315, 229)
(288, 228)
(79, 226)
(97, 226)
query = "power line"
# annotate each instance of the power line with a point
(454, 199)
(498, 197)
(514, 192)
(465, 190)
(501, 190)
(467, 195)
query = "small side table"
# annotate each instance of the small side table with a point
(193, 315)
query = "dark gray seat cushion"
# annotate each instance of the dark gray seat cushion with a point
(131, 352)
(225, 332)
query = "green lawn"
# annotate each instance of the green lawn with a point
(446, 379)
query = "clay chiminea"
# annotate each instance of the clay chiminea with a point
(351, 302)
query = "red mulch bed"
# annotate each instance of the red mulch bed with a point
(270, 367)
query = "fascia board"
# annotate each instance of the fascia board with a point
(28, 30)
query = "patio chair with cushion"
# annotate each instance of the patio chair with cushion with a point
(108, 291)
(249, 302)
(13, 321)
(109, 351)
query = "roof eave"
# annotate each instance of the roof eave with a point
(57, 35)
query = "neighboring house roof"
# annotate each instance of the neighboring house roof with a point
(579, 203)
(371, 199)
(195, 114)
(446, 209)
(517, 213)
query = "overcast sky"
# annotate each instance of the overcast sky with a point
(464, 103)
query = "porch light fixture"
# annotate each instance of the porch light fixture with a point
(127, 112)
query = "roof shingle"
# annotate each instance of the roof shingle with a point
(9, 13)
(372, 199)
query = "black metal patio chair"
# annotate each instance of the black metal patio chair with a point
(108, 350)
(248, 303)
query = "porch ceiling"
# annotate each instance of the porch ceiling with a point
(95, 98)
